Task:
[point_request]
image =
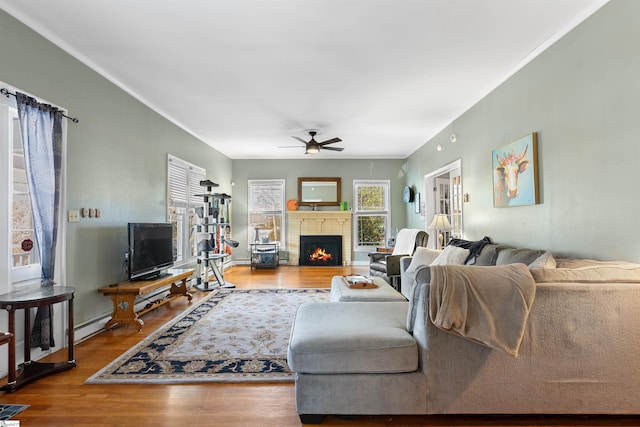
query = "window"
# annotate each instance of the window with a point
(24, 262)
(371, 214)
(266, 210)
(183, 183)
(24, 252)
(19, 254)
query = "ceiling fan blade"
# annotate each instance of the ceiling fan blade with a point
(332, 148)
(330, 141)
(299, 139)
(289, 146)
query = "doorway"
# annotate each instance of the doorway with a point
(444, 196)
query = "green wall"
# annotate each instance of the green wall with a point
(290, 170)
(581, 96)
(116, 158)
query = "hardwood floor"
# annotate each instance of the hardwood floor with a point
(63, 399)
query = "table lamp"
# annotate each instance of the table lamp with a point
(258, 222)
(440, 223)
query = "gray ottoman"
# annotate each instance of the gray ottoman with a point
(340, 291)
(359, 337)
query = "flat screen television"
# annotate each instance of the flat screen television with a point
(150, 249)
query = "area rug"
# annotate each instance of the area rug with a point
(9, 411)
(233, 335)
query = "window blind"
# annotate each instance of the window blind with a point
(183, 183)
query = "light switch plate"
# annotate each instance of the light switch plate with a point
(73, 216)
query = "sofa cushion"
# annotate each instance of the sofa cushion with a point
(546, 260)
(520, 255)
(585, 264)
(451, 255)
(354, 337)
(489, 254)
(422, 256)
(475, 247)
(589, 271)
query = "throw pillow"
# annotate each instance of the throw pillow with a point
(545, 260)
(451, 255)
(422, 256)
(519, 255)
(489, 254)
(474, 247)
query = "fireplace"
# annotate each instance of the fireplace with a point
(318, 223)
(324, 250)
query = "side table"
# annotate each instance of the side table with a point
(265, 255)
(30, 370)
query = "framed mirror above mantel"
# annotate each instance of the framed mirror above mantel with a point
(319, 191)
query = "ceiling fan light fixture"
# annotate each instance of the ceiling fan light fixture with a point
(312, 149)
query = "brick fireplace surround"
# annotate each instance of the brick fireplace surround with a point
(301, 223)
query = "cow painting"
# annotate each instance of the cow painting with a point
(514, 179)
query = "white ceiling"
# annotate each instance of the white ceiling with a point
(246, 75)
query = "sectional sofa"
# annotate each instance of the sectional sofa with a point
(576, 352)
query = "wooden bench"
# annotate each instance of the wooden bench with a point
(123, 296)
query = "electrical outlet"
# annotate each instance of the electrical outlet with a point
(73, 216)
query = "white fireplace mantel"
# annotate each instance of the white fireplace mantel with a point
(303, 223)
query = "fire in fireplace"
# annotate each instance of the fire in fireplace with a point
(320, 254)
(325, 250)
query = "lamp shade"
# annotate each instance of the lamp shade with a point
(256, 218)
(440, 222)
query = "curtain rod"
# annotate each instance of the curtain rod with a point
(6, 93)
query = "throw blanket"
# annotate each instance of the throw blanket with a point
(488, 305)
(405, 241)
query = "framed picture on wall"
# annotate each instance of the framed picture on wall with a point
(515, 173)
(417, 202)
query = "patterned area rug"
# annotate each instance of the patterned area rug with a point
(9, 411)
(233, 335)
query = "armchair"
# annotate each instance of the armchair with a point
(387, 265)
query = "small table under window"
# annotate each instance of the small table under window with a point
(30, 298)
(265, 255)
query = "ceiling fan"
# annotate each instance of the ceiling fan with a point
(312, 146)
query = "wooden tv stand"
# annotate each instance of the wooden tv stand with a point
(123, 295)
